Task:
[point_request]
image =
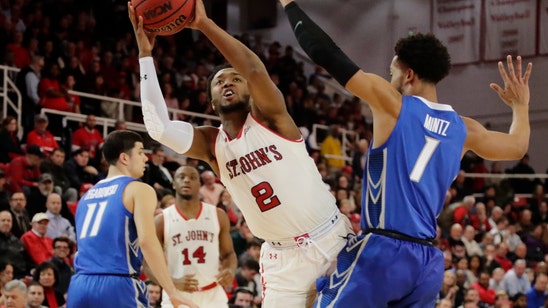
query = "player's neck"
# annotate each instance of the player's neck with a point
(233, 123)
(425, 90)
(116, 171)
(189, 208)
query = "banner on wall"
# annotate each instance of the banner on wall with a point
(510, 27)
(543, 42)
(457, 24)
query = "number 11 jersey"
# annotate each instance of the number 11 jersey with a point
(106, 232)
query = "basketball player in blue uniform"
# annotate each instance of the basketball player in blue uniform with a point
(115, 228)
(413, 158)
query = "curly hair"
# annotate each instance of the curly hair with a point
(425, 55)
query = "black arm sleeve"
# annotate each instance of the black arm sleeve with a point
(319, 46)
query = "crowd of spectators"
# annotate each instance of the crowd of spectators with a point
(495, 246)
(494, 235)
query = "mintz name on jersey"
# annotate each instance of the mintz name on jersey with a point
(436, 125)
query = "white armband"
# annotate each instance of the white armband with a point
(177, 135)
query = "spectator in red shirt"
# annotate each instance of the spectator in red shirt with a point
(54, 97)
(40, 135)
(463, 214)
(73, 100)
(481, 221)
(37, 244)
(501, 256)
(4, 194)
(22, 55)
(486, 294)
(88, 137)
(23, 171)
(50, 92)
(478, 184)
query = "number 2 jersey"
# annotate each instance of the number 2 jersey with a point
(106, 232)
(192, 245)
(273, 181)
(406, 179)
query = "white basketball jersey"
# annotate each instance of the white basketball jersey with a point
(273, 181)
(192, 245)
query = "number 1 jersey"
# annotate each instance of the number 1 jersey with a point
(406, 179)
(106, 232)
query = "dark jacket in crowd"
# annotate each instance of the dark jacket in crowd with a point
(12, 251)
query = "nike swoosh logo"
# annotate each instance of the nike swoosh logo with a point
(297, 25)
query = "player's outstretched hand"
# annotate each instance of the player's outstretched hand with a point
(516, 85)
(145, 39)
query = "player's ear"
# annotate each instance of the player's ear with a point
(409, 75)
(124, 158)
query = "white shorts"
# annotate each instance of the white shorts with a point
(289, 273)
(213, 298)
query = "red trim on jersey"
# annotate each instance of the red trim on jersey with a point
(263, 283)
(275, 133)
(208, 287)
(241, 132)
(237, 137)
(183, 215)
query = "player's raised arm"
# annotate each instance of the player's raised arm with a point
(266, 96)
(514, 144)
(317, 44)
(178, 135)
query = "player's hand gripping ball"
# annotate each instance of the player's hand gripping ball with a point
(164, 17)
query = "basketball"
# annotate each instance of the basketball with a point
(164, 17)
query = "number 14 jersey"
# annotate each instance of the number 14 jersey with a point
(191, 245)
(273, 181)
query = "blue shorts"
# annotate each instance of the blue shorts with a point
(379, 271)
(106, 291)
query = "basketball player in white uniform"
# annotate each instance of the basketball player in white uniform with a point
(261, 157)
(197, 244)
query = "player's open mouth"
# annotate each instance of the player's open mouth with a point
(228, 94)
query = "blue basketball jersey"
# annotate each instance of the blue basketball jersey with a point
(406, 179)
(106, 233)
